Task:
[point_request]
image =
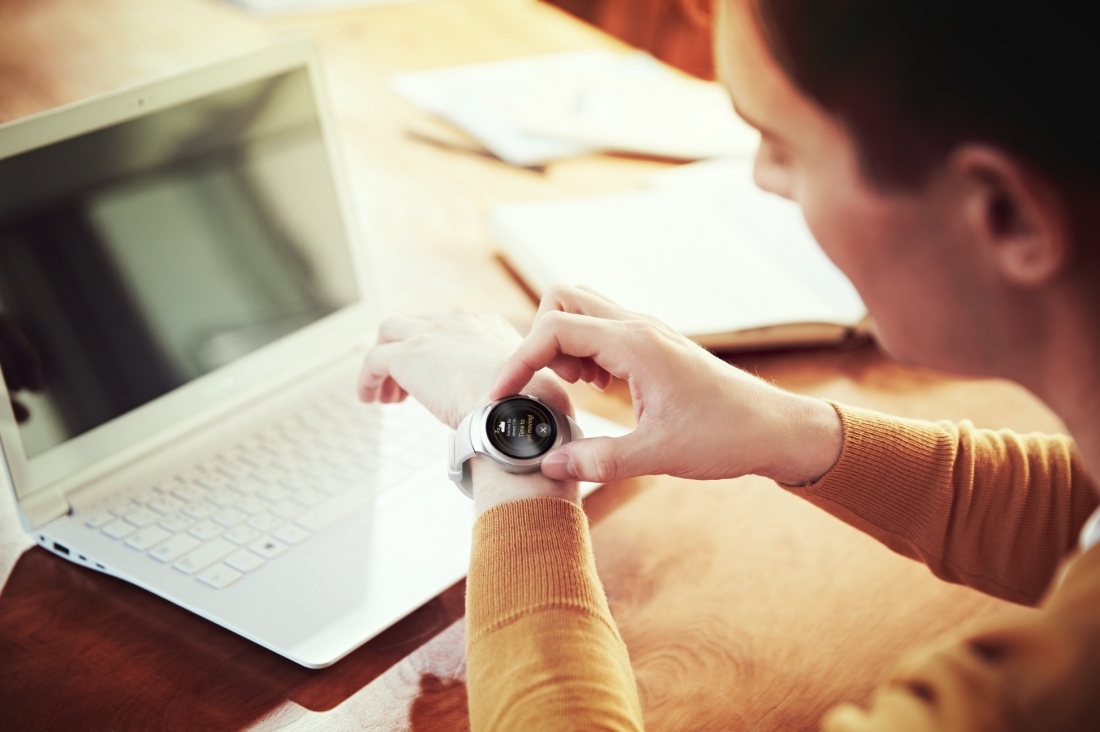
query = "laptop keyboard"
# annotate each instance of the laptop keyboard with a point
(255, 501)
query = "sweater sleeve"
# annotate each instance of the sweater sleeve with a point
(1020, 672)
(543, 652)
(994, 510)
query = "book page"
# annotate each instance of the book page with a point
(663, 255)
(776, 225)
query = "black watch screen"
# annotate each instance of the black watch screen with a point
(521, 428)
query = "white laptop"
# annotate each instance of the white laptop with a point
(179, 277)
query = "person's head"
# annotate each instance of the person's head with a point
(942, 155)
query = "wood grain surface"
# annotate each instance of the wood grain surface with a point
(743, 607)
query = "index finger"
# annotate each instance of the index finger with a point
(558, 333)
(581, 300)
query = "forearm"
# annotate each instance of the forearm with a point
(543, 652)
(493, 486)
(993, 510)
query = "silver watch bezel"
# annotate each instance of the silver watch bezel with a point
(479, 437)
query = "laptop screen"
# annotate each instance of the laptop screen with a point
(138, 257)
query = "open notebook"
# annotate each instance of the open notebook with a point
(701, 248)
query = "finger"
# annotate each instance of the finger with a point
(569, 368)
(376, 369)
(603, 380)
(400, 328)
(589, 370)
(559, 333)
(596, 293)
(600, 459)
(580, 301)
(573, 369)
(391, 392)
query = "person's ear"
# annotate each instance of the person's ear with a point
(1016, 215)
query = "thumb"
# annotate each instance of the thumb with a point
(598, 459)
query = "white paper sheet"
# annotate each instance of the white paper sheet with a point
(533, 110)
(701, 248)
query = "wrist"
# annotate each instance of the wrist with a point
(808, 439)
(493, 486)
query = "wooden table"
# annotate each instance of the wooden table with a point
(743, 607)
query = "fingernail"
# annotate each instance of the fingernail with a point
(560, 463)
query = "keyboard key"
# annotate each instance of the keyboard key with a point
(204, 556)
(286, 509)
(293, 483)
(118, 529)
(241, 535)
(220, 576)
(245, 560)
(229, 517)
(189, 493)
(168, 486)
(265, 522)
(270, 474)
(223, 497)
(200, 510)
(231, 468)
(174, 548)
(124, 507)
(148, 537)
(165, 504)
(248, 485)
(308, 497)
(99, 519)
(336, 508)
(332, 486)
(291, 534)
(145, 496)
(214, 481)
(176, 522)
(253, 505)
(274, 493)
(205, 530)
(267, 547)
(143, 517)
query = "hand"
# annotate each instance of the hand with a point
(448, 363)
(698, 417)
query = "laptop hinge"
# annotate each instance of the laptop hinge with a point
(41, 507)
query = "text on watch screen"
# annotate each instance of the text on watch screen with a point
(521, 428)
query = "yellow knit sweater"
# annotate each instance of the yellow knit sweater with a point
(994, 510)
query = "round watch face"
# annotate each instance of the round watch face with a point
(521, 428)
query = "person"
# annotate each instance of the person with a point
(943, 157)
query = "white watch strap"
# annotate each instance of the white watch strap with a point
(459, 452)
(460, 449)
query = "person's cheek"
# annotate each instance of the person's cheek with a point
(836, 228)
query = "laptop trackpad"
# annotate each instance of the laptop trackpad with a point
(351, 581)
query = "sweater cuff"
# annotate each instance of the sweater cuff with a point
(530, 555)
(886, 468)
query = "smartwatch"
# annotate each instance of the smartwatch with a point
(515, 432)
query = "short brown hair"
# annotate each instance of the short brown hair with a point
(912, 79)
